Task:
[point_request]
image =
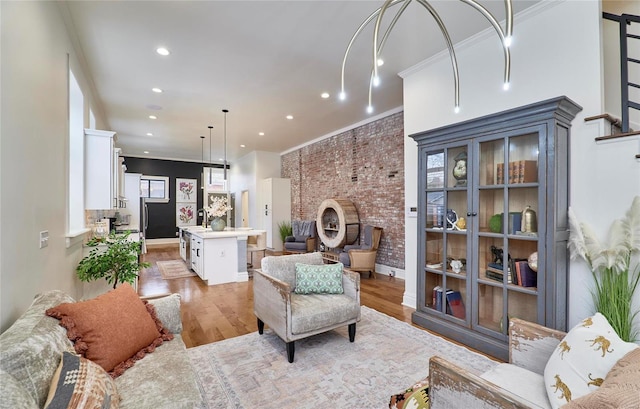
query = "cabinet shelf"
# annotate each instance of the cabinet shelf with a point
(495, 195)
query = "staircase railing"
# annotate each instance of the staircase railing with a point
(625, 20)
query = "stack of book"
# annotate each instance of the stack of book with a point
(525, 276)
(455, 305)
(495, 272)
(519, 171)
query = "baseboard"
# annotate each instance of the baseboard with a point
(161, 242)
(390, 271)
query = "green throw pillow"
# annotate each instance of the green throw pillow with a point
(318, 279)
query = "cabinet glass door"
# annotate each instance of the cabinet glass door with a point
(445, 253)
(507, 198)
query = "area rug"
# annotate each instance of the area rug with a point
(388, 355)
(174, 269)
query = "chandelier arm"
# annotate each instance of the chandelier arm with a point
(496, 26)
(376, 30)
(391, 25)
(509, 18)
(382, 43)
(452, 53)
(356, 34)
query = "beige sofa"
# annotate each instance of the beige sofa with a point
(520, 383)
(31, 349)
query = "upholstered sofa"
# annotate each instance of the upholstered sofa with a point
(31, 350)
(547, 369)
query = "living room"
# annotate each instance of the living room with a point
(565, 58)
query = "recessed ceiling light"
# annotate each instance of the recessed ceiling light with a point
(162, 51)
(243, 146)
(261, 133)
(149, 134)
(146, 151)
(153, 117)
(158, 90)
(325, 95)
(289, 116)
(221, 159)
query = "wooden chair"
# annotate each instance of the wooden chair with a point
(362, 257)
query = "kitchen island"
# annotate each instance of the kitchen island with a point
(219, 256)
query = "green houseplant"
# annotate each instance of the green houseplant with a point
(285, 230)
(615, 267)
(118, 262)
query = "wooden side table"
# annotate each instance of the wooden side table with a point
(330, 257)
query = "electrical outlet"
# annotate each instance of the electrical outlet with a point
(44, 239)
(392, 273)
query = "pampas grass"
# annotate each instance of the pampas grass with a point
(615, 278)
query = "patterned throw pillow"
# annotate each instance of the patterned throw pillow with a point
(415, 397)
(80, 383)
(583, 359)
(318, 279)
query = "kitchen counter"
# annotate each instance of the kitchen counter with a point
(218, 256)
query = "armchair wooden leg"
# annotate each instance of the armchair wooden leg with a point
(260, 326)
(291, 349)
(352, 332)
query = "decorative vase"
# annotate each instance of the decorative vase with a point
(218, 224)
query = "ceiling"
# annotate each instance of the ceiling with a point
(261, 60)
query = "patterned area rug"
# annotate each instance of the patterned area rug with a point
(388, 355)
(174, 269)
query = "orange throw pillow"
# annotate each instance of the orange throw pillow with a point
(113, 330)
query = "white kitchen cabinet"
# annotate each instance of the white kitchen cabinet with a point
(275, 199)
(101, 170)
(197, 256)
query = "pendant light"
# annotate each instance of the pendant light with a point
(225, 111)
(202, 160)
(210, 163)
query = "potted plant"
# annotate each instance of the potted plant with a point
(285, 230)
(612, 266)
(118, 262)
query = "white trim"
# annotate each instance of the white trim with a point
(409, 300)
(526, 14)
(75, 237)
(345, 129)
(392, 271)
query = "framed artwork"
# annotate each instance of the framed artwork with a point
(186, 191)
(185, 214)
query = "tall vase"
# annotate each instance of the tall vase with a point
(218, 224)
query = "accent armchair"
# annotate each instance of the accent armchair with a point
(303, 239)
(362, 257)
(295, 316)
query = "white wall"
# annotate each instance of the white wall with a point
(556, 51)
(246, 174)
(33, 144)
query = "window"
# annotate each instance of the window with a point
(155, 188)
(75, 166)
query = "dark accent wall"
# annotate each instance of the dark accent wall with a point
(162, 216)
(365, 165)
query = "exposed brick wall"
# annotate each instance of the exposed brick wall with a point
(365, 165)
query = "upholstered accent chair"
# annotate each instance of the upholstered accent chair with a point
(362, 257)
(303, 239)
(294, 316)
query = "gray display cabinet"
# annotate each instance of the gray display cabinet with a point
(476, 258)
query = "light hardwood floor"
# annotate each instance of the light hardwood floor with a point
(224, 311)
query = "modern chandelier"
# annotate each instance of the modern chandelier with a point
(378, 44)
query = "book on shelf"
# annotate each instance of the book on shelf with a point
(526, 276)
(527, 171)
(499, 173)
(497, 275)
(455, 306)
(437, 298)
(515, 220)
